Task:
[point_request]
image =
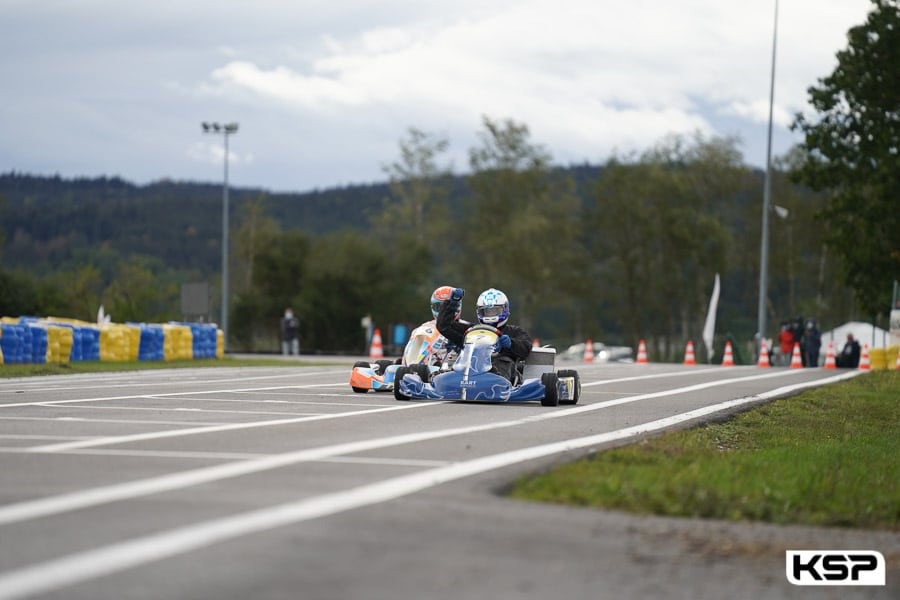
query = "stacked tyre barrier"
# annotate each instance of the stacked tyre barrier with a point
(33, 340)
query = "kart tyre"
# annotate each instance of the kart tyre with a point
(571, 373)
(364, 365)
(550, 382)
(422, 371)
(382, 365)
(398, 377)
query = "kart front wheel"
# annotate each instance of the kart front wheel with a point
(398, 377)
(364, 365)
(550, 381)
(422, 371)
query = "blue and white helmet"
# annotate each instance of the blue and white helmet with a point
(492, 308)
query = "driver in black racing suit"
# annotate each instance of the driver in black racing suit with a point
(492, 308)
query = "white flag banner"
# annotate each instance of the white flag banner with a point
(709, 328)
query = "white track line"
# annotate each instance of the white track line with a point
(101, 495)
(169, 433)
(119, 421)
(82, 566)
(29, 386)
(163, 409)
(138, 396)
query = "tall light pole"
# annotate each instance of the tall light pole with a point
(226, 130)
(767, 190)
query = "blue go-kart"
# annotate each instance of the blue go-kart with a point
(469, 378)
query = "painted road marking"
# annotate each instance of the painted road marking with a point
(31, 386)
(139, 396)
(169, 433)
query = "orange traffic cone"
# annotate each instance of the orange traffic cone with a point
(535, 343)
(689, 354)
(864, 359)
(796, 359)
(642, 353)
(589, 351)
(897, 366)
(763, 355)
(376, 351)
(728, 358)
(829, 358)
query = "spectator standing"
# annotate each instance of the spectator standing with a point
(813, 343)
(786, 342)
(797, 331)
(290, 330)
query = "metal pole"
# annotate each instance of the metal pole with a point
(225, 249)
(767, 189)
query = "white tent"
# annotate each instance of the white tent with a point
(865, 333)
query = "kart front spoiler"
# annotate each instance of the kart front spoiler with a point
(485, 387)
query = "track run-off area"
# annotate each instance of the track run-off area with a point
(280, 482)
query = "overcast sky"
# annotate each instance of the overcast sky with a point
(324, 90)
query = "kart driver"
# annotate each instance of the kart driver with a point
(492, 308)
(442, 346)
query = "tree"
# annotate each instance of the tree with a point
(417, 187)
(136, 294)
(347, 278)
(521, 224)
(257, 231)
(413, 223)
(660, 236)
(852, 149)
(83, 287)
(279, 275)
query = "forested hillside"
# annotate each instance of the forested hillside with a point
(53, 223)
(616, 252)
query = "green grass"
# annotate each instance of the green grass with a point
(830, 457)
(29, 370)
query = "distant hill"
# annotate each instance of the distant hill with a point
(48, 221)
(53, 222)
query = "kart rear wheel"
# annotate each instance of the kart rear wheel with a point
(550, 381)
(398, 377)
(571, 373)
(364, 365)
(382, 365)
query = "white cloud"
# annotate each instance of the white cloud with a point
(324, 89)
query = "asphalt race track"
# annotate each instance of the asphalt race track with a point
(265, 483)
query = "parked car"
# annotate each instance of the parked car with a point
(602, 353)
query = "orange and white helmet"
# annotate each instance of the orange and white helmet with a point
(437, 298)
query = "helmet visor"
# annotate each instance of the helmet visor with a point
(490, 311)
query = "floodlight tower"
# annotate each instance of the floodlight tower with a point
(767, 191)
(226, 130)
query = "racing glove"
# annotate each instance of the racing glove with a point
(503, 343)
(457, 294)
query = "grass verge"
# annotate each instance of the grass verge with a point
(31, 370)
(826, 457)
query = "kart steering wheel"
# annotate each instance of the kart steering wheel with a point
(482, 327)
